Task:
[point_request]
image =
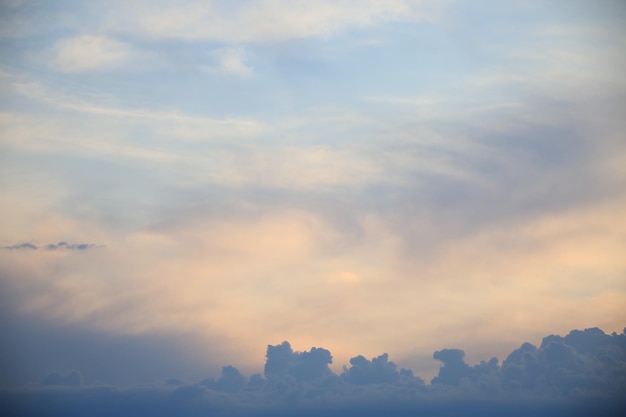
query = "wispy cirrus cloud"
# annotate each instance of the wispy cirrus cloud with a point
(266, 20)
(86, 53)
(229, 61)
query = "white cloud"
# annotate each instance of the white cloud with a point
(171, 123)
(229, 61)
(88, 53)
(271, 20)
(403, 100)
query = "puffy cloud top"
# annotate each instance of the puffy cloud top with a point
(305, 366)
(583, 373)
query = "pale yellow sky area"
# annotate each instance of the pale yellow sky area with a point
(261, 280)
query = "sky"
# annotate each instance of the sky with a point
(184, 183)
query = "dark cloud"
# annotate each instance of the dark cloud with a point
(454, 368)
(587, 361)
(231, 380)
(195, 400)
(304, 366)
(583, 373)
(377, 371)
(19, 246)
(53, 246)
(69, 246)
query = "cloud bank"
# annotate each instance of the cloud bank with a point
(583, 373)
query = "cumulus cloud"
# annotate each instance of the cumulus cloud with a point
(580, 374)
(304, 366)
(377, 371)
(583, 364)
(587, 361)
(231, 380)
(454, 367)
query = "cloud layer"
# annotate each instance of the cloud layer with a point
(580, 373)
(377, 176)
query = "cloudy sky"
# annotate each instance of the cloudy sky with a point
(185, 182)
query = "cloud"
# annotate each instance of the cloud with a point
(377, 371)
(229, 61)
(20, 246)
(454, 367)
(586, 364)
(86, 53)
(70, 246)
(282, 361)
(231, 380)
(86, 129)
(269, 20)
(53, 246)
(579, 374)
(587, 361)
(462, 210)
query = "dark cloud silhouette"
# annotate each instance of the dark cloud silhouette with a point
(280, 359)
(454, 368)
(19, 246)
(231, 380)
(303, 366)
(378, 371)
(581, 374)
(587, 361)
(53, 246)
(69, 246)
(256, 382)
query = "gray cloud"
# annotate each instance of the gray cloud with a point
(21, 246)
(588, 361)
(62, 245)
(69, 246)
(378, 371)
(580, 374)
(231, 380)
(583, 364)
(282, 361)
(454, 368)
